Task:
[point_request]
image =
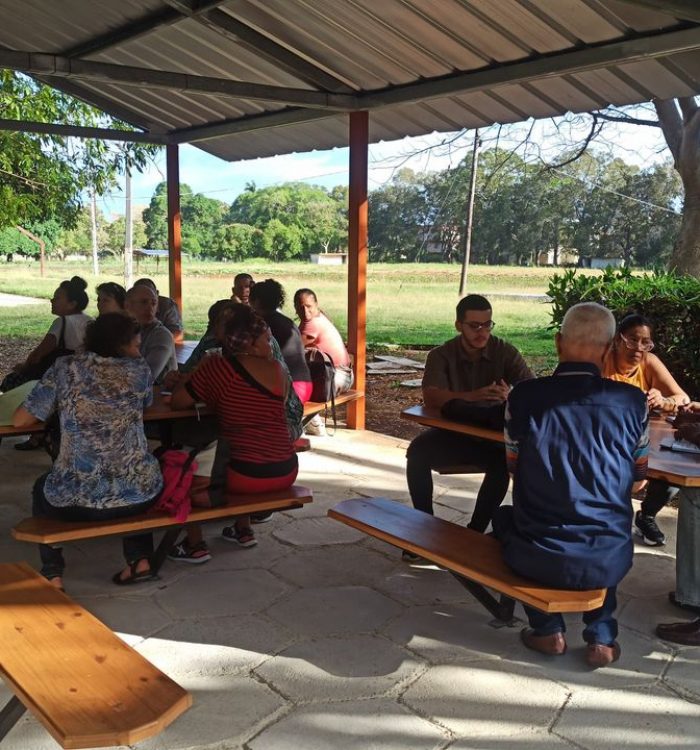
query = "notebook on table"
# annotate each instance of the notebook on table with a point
(680, 446)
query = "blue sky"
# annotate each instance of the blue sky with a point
(225, 180)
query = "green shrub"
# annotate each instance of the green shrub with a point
(670, 301)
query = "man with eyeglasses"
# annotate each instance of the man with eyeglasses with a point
(477, 367)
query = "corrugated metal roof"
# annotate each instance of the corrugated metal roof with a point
(362, 47)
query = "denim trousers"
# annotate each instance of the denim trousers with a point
(435, 448)
(688, 547)
(601, 625)
(52, 562)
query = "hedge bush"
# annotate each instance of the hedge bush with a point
(670, 301)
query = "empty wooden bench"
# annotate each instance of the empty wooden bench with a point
(313, 407)
(474, 559)
(81, 681)
(52, 531)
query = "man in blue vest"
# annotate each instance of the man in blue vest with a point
(576, 448)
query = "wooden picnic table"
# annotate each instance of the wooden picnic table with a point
(681, 469)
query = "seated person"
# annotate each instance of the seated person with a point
(111, 297)
(242, 284)
(65, 336)
(474, 366)
(318, 331)
(167, 311)
(630, 361)
(687, 593)
(266, 298)
(210, 340)
(246, 380)
(103, 470)
(577, 446)
(157, 345)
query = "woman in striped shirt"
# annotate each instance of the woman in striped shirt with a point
(247, 390)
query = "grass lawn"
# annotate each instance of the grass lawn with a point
(408, 304)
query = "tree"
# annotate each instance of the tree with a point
(42, 176)
(236, 242)
(116, 234)
(13, 242)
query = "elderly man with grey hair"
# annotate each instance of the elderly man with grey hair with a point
(576, 447)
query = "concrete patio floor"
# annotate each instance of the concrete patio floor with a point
(320, 637)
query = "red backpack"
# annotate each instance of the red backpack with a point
(177, 468)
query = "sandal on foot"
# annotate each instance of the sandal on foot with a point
(134, 577)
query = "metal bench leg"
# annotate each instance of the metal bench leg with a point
(12, 712)
(168, 540)
(501, 609)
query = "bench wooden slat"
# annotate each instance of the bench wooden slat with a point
(312, 407)
(82, 682)
(466, 552)
(51, 531)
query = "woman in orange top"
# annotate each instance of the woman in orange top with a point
(630, 361)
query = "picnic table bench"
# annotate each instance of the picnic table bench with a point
(53, 531)
(314, 407)
(474, 559)
(80, 680)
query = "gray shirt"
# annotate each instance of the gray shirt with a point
(169, 314)
(158, 349)
(448, 367)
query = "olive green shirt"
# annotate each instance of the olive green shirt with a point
(448, 367)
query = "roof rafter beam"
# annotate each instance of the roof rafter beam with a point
(37, 63)
(688, 10)
(142, 26)
(239, 32)
(542, 67)
(79, 131)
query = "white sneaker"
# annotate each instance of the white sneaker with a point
(316, 427)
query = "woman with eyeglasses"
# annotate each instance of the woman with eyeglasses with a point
(630, 361)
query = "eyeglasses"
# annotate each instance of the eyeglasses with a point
(488, 325)
(639, 345)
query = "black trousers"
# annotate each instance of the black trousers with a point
(659, 493)
(439, 448)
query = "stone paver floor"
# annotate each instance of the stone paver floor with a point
(322, 638)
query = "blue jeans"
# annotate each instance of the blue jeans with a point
(52, 563)
(601, 625)
(688, 547)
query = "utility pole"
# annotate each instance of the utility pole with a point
(93, 231)
(467, 235)
(129, 234)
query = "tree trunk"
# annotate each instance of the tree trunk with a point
(686, 253)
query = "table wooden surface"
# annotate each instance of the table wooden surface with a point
(85, 685)
(159, 410)
(681, 469)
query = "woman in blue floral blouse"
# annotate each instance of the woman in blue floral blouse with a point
(103, 470)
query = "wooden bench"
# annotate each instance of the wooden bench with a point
(81, 681)
(52, 531)
(474, 559)
(314, 407)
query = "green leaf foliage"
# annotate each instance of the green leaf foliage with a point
(671, 302)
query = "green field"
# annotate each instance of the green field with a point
(408, 304)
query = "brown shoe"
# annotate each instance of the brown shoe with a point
(685, 633)
(552, 645)
(598, 655)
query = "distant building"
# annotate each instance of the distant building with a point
(601, 263)
(567, 256)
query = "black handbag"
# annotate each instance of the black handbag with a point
(322, 372)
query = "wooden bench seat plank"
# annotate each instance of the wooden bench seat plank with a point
(80, 680)
(52, 531)
(312, 407)
(461, 550)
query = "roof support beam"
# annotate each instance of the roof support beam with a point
(78, 131)
(688, 10)
(37, 63)
(142, 26)
(541, 68)
(281, 57)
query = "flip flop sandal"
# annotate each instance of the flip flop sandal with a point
(134, 577)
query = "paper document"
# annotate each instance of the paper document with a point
(10, 400)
